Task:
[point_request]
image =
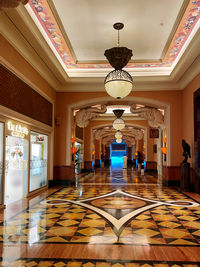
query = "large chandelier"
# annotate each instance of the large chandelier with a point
(118, 83)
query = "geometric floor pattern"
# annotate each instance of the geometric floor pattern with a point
(110, 218)
(93, 263)
(175, 222)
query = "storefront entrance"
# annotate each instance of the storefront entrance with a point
(23, 161)
(16, 169)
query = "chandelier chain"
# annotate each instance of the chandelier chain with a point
(118, 40)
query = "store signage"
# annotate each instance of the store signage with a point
(17, 130)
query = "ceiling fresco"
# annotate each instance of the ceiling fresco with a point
(46, 19)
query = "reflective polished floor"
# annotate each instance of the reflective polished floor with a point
(112, 217)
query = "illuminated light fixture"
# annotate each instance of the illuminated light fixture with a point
(164, 139)
(118, 135)
(118, 83)
(118, 140)
(74, 149)
(118, 124)
(164, 150)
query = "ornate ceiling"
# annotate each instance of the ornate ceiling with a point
(65, 40)
(88, 36)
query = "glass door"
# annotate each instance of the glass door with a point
(38, 161)
(16, 171)
(1, 158)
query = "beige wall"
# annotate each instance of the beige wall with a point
(188, 116)
(150, 143)
(87, 144)
(97, 149)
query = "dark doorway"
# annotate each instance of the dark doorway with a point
(197, 140)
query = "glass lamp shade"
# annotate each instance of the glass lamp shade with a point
(118, 140)
(118, 135)
(118, 124)
(118, 83)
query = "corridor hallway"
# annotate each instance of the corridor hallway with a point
(110, 218)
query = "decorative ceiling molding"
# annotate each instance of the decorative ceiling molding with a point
(84, 116)
(136, 133)
(44, 15)
(108, 140)
(18, 28)
(130, 134)
(130, 141)
(154, 116)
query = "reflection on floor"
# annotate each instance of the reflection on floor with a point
(130, 223)
(91, 263)
(118, 176)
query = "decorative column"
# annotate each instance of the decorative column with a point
(97, 153)
(87, 148)
(107, 156)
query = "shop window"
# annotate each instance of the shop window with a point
(38, 160)
(16, 171)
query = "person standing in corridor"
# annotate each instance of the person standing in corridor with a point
(124, 162)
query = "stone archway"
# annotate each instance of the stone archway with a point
(103, 100)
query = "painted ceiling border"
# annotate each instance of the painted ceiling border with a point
(45, 17)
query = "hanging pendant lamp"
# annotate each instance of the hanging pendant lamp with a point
(118, 124)
(118, 134)
(118, 83)
(118, 140)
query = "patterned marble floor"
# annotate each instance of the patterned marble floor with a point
(118, 176)
(130, 223)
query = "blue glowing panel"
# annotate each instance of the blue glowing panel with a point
(117, 162)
